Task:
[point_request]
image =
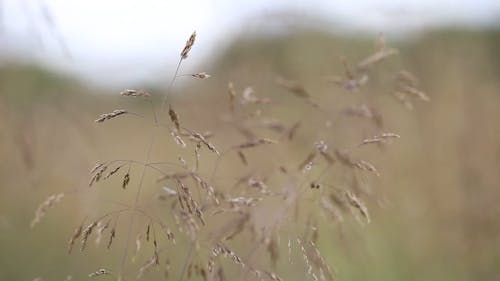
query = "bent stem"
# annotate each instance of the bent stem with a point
(134, 206)
(170, 86)
(143, 173)
(188, 260)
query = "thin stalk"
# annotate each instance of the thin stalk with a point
(170, 86)
(188, 260)
(141, 180)
(134, 206)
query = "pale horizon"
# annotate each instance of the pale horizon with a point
(114, 42)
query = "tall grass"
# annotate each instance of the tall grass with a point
(235, 201)
(433, 210)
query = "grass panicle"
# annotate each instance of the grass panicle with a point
(222, 201)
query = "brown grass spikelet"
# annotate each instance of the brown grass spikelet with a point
(106, 116)
(197, 155)
(248, 97)
(362, 165)
(180, 175)
(126, 180)
(178, 139)
(187, 47)
(415, 92)
(100, 272)
(376, 57)
(254, 143)
(189, 133)
(321, 264)
(148, 229)
(297, 89)
(366, 166)
(221, 249)
(138, 243)
(85, 235)
(101, 227)
(406, 88)
(205, 186)
(258, 184)
(390, 135)
(358, 204)
(293, 86)
(169, 191)
(382, 138)
(135, 93)
(210, 264)
(97, 173)
(274, 125)
(293, 130)
(112, 172)
(322, 148)
(111, 237)
(202, 138)
(365, 111)
(97, 166)
(381, 52)
(305, 256)
(404, 76)
(310, 157)
(201, 75)
(250, 202)
(76, 234)
(242, 157)
(273, 276)
(168, 232)
(174, 117)
(152, 261)
(351, 81)
(316, 266)
(45, 206)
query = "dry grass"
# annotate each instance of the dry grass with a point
(207, 213)
(290, 179)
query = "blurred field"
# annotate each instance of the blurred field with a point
(440, 182)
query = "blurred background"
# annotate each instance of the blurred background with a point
(62, 63)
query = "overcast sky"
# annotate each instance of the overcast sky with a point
(113, 41)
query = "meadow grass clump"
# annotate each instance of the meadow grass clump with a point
(230, 208)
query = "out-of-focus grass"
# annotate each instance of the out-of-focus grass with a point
(441, 181)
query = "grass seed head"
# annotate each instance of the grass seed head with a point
(106, 116)
(187, 47)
